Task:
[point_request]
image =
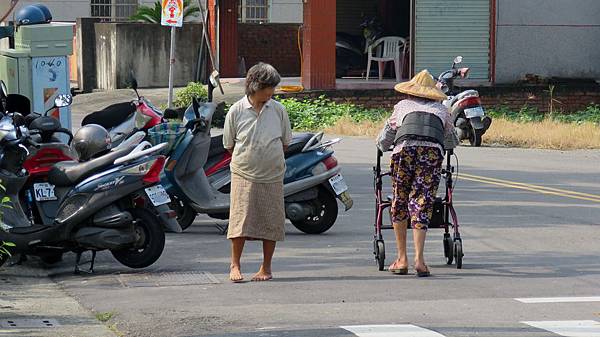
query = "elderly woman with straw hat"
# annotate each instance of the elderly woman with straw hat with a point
(417, 131)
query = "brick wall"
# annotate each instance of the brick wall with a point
(273, 43)
(566, 98)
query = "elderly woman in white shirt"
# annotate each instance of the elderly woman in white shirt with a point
(257, 132)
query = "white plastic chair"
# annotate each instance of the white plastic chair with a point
(387, 48)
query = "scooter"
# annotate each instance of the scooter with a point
(99, 204)
(311, 183)
(124, 119)
(351, 50)
(470, 121)
(349, 54)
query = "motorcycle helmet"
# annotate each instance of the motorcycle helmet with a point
(46, 11)
(30, 15)
(91, 141)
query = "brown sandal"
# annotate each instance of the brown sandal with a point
(397, 271)
(424, 273)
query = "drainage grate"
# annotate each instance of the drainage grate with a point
(24, 323)
(167, 279)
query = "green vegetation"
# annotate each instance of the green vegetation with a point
(4, 246)
(321, 113)
(153, 14)
(183, 97)
(105, 316)
(528, 114)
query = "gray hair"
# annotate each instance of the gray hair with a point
(261, 76)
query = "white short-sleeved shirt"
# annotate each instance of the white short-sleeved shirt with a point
(257, 140)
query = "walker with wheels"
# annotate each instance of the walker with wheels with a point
(443, 212)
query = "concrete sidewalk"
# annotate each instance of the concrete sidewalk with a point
(28, 297)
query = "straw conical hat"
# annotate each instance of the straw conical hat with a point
(422, 85)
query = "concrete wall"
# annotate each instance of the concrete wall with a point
(274, 43)
(285, 11)
(144, 48)
(549, 38)
(86, 54)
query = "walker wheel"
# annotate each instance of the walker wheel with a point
(458, 253)
(380, 254)
(448, 245)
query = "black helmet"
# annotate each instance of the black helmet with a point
(91, 141)
(46, 11)
(30, 15)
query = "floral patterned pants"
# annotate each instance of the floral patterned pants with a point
(416, 173)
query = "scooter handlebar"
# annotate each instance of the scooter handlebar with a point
(29, 142)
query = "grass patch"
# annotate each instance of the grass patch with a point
(322, 113)
(545, 134)
(105, 316)
(526, 127)
(528, 114)
(115, 330)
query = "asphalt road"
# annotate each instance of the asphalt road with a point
(520, 241)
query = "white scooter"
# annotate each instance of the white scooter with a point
(470, 121)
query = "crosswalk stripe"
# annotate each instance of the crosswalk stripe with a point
(391, 330)
(558, 299)
(569, 328)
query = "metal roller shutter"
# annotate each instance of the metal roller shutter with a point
(447, 28)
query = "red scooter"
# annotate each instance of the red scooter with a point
(124, 119)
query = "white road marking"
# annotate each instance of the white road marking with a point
(569, 328)
(558, 299)
(392, 330)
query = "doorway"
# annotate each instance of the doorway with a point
(361, 22)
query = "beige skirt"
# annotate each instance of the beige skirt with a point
(256, 211)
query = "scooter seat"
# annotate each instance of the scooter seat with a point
(297, 144)
(110, 116)
(68, 173)
(28, 229)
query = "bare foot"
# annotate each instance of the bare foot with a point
(262, 275)
(235, 274)
(399, 267)
(399, 264)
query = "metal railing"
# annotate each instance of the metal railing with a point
(254, 11)
(113, 10)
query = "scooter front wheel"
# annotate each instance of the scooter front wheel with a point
(324, 211)
(150, 244)
(185, 213)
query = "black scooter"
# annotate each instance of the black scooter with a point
(100, 204)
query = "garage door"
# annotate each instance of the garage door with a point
(445, 29)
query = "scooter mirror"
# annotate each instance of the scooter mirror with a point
(3, 89)
(134, 83)
(458, 59)
(196, 107)
(63, 100)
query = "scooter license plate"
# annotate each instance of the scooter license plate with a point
(474, 112)
(158, 196)
(44, 192)
(338, 184)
